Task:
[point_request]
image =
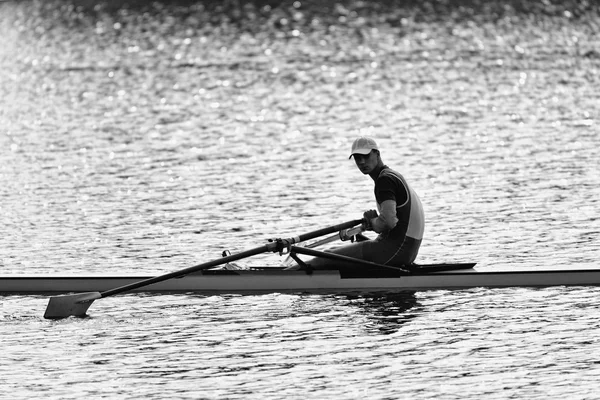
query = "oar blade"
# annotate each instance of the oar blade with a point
(70, 305)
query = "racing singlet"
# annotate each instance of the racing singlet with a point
(390, 185)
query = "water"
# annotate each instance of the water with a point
(151, 138)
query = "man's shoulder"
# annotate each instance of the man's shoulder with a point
(388, 173)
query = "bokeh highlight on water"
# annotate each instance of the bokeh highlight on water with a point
(150, 137)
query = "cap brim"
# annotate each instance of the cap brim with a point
(364, 152)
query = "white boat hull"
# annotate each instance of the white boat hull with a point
(261, 281)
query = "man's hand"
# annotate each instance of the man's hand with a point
(368, 216)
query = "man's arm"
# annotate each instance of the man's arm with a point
(387, 219)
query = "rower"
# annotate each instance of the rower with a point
(399, 219)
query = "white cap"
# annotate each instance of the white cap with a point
(363, 145)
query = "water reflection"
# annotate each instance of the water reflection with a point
(386, 312)
(375, 313)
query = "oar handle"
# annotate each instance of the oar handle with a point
(327, 231)
(275, 246)
(347, 234)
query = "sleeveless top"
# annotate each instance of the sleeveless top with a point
(390, 185)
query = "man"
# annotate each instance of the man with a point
(400, 222)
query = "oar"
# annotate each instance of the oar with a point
(78, 304)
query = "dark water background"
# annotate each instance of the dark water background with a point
(147, 137)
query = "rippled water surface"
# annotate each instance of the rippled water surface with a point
(151, 137)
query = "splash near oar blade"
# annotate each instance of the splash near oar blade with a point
(70, 305)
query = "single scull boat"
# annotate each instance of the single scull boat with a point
(272, 280)
(351, 275)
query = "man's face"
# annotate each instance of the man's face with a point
(366, 163)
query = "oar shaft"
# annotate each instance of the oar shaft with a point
(323, 241)
(185, 271)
